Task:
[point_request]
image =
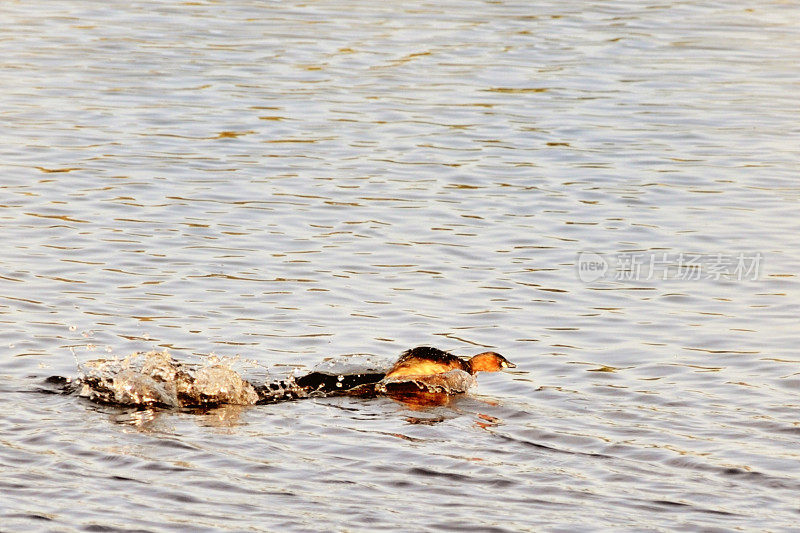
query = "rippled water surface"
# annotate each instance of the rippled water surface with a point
(301, 182)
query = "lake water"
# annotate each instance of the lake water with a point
(301, 182)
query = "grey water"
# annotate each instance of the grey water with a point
(604, 192)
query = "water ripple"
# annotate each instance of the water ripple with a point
(295, 182)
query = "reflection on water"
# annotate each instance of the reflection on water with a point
(224, 417)
(291, 182)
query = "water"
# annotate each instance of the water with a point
(328, 182)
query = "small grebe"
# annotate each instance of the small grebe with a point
(426, 376)
(428, 361)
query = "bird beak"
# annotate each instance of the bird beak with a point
(507, 364)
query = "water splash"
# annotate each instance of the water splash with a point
(155, 379)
